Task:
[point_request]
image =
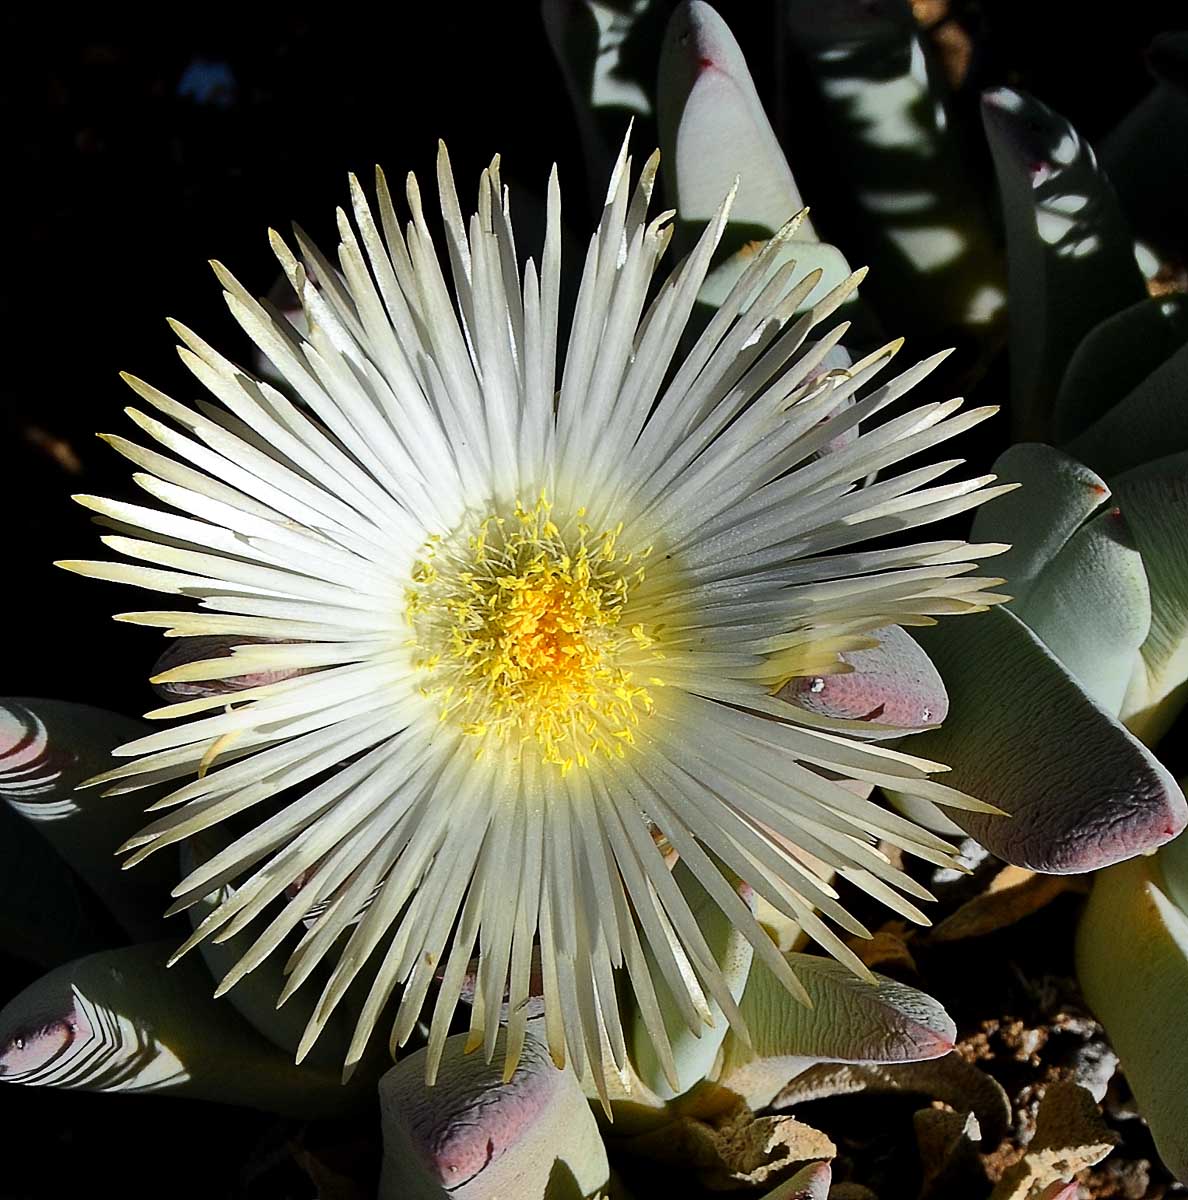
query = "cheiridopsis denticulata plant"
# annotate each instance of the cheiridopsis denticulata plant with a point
(892, 676)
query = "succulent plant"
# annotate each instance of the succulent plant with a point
(687, 1049)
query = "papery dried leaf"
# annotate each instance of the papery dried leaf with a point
(1070, 1135)
(948, 1145)
(1014, 893)
(950, 1079)
(735, 1149)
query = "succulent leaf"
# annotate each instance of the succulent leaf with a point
(714, 133)
(850, 1020)
(917, 216)
(1155, 501)
(1091, 606)
(1080, 790)
(47, 749)
(1070, 253)
(254, 996)
(607, 54)
(1114, 358)
(1149, 422)
(1145, 153)
(120, 1021)
(694, 1054)
(809, 1183)
(1132, 961)
(473, 1136)
(1057, 495)
(892, 683)
(713, 128)
(43, 915)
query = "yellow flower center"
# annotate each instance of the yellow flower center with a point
(523, 634)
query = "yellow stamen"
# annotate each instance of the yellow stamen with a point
(520, 630)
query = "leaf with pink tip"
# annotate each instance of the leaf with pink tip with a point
(713, 128)
(475, 1137)
(851, 1020)
(714, 131)
(892, 684)
(1058, 494)
(120, 1021)
(1081, 792)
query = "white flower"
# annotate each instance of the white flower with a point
(543, 623)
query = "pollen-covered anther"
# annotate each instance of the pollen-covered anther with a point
(519, 625)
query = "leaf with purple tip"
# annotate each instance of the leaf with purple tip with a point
(120, 1021)
(1080, 790)
(851, 1020)
(475, 1137)
(893, 684)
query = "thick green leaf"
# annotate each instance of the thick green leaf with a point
(1114, 358)
(714, 131)
(1070, 254)
(851, 1020)
(607, 53)
(893, 684)
(1091, 607)
(1080, 790)
(1154, 499)
(713, 128)
(1149, 422)
(1146, 153)
(917, 218)
(1036, 520)
(1132, 961)
(255, 995)
(44, 916)
(693, 1053)
(808, 256)
(120, 1021)
(49, 747)
(480, 1138)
